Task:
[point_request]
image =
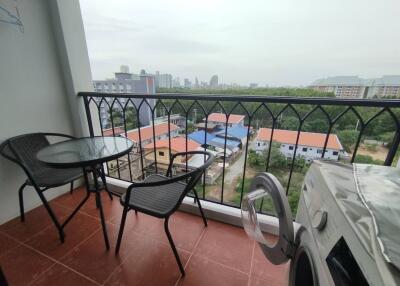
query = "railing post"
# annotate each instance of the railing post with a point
(393, 149)
(88, 115)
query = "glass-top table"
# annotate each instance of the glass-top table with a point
(84, 152)
(89, 153)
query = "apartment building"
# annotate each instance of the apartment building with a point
(126, 82)
(356, 87)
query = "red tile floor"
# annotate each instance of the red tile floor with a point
(221, 254)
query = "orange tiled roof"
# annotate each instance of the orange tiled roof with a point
(305, 138)
(147, 131)
(221, 117)
(178, 144)
(117, 131)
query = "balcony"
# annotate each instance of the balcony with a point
(221, 254)
(56, 95)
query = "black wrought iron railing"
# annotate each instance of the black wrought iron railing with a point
(367, 131)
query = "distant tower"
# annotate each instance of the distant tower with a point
(214, 81)
(196, 83)
(124, 69)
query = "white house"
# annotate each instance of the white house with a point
(220, 119)
(310, 145)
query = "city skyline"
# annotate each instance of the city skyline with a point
(284, 43)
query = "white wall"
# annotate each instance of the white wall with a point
(33, 92)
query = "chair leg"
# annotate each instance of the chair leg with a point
(52, 215)
(21, 202)
(121, 229)
(200, 208)
(171, 242)
(71, 189)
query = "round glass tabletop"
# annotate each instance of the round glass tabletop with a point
(84, 151)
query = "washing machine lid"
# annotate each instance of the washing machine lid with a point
(369, 198)
(379, 190)
(266, 186)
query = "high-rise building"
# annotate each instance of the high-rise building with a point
(176, 82)
(355, 87)
(253, 85)
(196, 83)
(163, 80)
(214, 81)
(125, 82)
(187, 83)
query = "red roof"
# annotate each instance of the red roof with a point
(305, 138)
(117, 131)
(221, 117)
(178, 144)
(147, 131)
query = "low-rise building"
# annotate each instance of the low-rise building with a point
(221, 119)
(310, 145)
(147, 134)
(162, 150)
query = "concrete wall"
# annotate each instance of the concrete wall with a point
(35, 91)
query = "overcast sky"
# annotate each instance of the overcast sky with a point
(281, 42)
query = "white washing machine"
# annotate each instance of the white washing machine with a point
(347, 225)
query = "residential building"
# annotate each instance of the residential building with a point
(310, 145)
(176, 119)
(162, 152)
(355, 87)
(221, 119)
(208, 139)
(214, 81)
(238, 133)
(147, 134)
(125, 82)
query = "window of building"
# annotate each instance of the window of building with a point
(304, 149)
(258, 144)
(290, 147)
(319, 151)
(161, 153)
(335, 153)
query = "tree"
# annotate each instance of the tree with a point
(277, 159)
(348, 138)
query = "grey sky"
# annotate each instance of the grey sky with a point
(281, 42)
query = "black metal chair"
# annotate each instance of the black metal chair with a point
(22, 151)
(161, 196)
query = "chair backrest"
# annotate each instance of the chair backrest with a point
(194, 176)
(22, 150)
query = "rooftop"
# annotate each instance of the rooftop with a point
(178, 144)
(220, 254)
(221, 117)
(305, 138)
(146, 132)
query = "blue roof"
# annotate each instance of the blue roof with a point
(237, 131)
(221, 141)
(199, 137)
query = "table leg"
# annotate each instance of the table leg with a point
(98, 203)
(81, 203)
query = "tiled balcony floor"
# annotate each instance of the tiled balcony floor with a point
(31, 253)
